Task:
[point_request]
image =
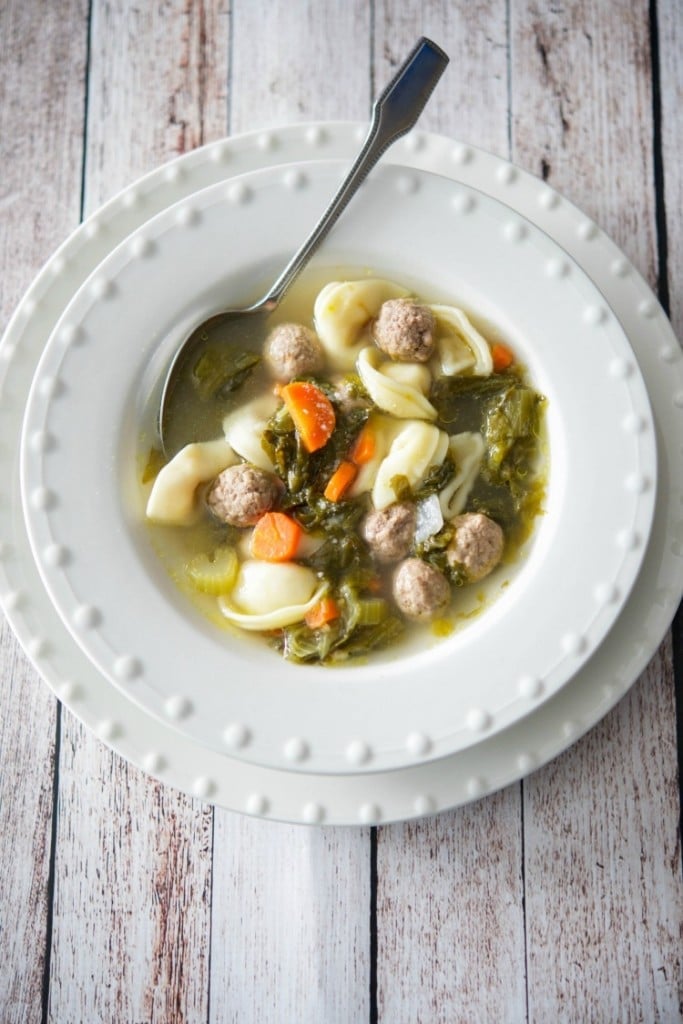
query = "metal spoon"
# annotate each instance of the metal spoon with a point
(394, 113)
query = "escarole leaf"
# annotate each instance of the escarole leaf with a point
(458, 400)
(366, 620)
(306, 474)
(365, 624)
(221, 370)
(511, 428)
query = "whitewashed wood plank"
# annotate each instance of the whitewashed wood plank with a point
(41, 115)
(133, 894)
(582, 112)
(301, 61)
(27, 749)
(470, 102)
(291, 911)
(133, 871)
(603, 871)
(291, 905)
(157, 88)
(41, 119)
(450, 925)
(449, 912)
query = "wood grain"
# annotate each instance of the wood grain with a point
(603, 864)
(451, 943)
(299, 62)
(581, 114)
(133, 895)
(132, 901)
(157, 87)
(41, 138)
(290, 938)
(470, 102)
(26, 810)
(582, 107)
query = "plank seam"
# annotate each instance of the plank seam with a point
(373, 1010)
(208, 966)
(52, 866)
(658, 164)
(665, 299)
(523, 880)
(86, 104)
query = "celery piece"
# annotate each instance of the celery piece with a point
(215, 573)
(372, 611)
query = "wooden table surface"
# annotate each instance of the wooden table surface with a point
(557, 899)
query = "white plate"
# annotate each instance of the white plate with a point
(418, 790)
(85, 512)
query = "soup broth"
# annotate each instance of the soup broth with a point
(350, 473)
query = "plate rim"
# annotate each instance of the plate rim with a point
(235, 787)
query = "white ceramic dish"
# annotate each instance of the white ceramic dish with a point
(421, 789)
(85, 510)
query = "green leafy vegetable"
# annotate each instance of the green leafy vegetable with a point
(221, 370)
(433, 551)
(436, 479)
(511, 429)
(364, 625)
(459, 400)
(306, 474)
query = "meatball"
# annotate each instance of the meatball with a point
(293, 350)
(420, 590)
(389, 532)
(477, 545)
(405, 331)
(241, 494)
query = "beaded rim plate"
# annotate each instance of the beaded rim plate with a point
(426, 698)
(414, 791)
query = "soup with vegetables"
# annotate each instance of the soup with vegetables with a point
(350, 474)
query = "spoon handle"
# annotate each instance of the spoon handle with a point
(394, 113)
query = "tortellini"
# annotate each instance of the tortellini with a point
(173, 500)
(342, 311)
(384, 430)
(399, 392)
(467, 451)
(244, 428)
(271, 595)
(416, 447)
(460, 345)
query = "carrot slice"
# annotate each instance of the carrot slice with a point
(312, 412)
(340, 481)
(364, 446)
(275, 538)
(502, 357)
(326, 610)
